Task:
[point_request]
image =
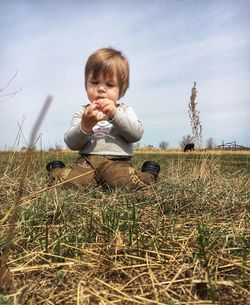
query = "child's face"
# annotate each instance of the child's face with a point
(100, 87)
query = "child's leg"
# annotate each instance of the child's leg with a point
(117, 173)
(80, 173)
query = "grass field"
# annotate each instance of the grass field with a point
(186, 240)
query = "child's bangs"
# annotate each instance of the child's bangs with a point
(107, 67)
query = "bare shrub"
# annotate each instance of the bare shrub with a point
(210, 143)
(8, 95)
(163, 145)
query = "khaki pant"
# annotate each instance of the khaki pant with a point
(109, 172)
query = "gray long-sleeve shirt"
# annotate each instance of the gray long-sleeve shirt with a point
(114, 137)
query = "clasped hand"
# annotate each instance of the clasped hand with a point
(97, 111)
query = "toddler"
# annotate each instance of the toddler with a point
(104, 130)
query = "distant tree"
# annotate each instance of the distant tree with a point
(163, 145)
(186, 140)
(56, 148)
(210, 143)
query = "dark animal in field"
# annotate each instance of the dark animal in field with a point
(189, 147)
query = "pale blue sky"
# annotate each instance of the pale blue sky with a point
(169, 44)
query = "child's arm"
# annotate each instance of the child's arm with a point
(126, 121)
(76, 137)
(82, 123)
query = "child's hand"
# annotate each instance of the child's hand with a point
(107, 107)
(90, 117)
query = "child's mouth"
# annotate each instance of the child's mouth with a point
(99, 98)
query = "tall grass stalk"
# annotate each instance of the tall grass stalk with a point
(4, 272)
(194, 116)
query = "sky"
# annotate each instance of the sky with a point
(170, 44)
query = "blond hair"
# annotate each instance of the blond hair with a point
(108, 61)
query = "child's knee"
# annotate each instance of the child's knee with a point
(73, 175)
(125, 177)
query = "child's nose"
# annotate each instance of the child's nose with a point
(101, 88)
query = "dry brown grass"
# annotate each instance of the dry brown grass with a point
(184, 241)
(202, 152)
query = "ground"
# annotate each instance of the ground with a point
(183, 241)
